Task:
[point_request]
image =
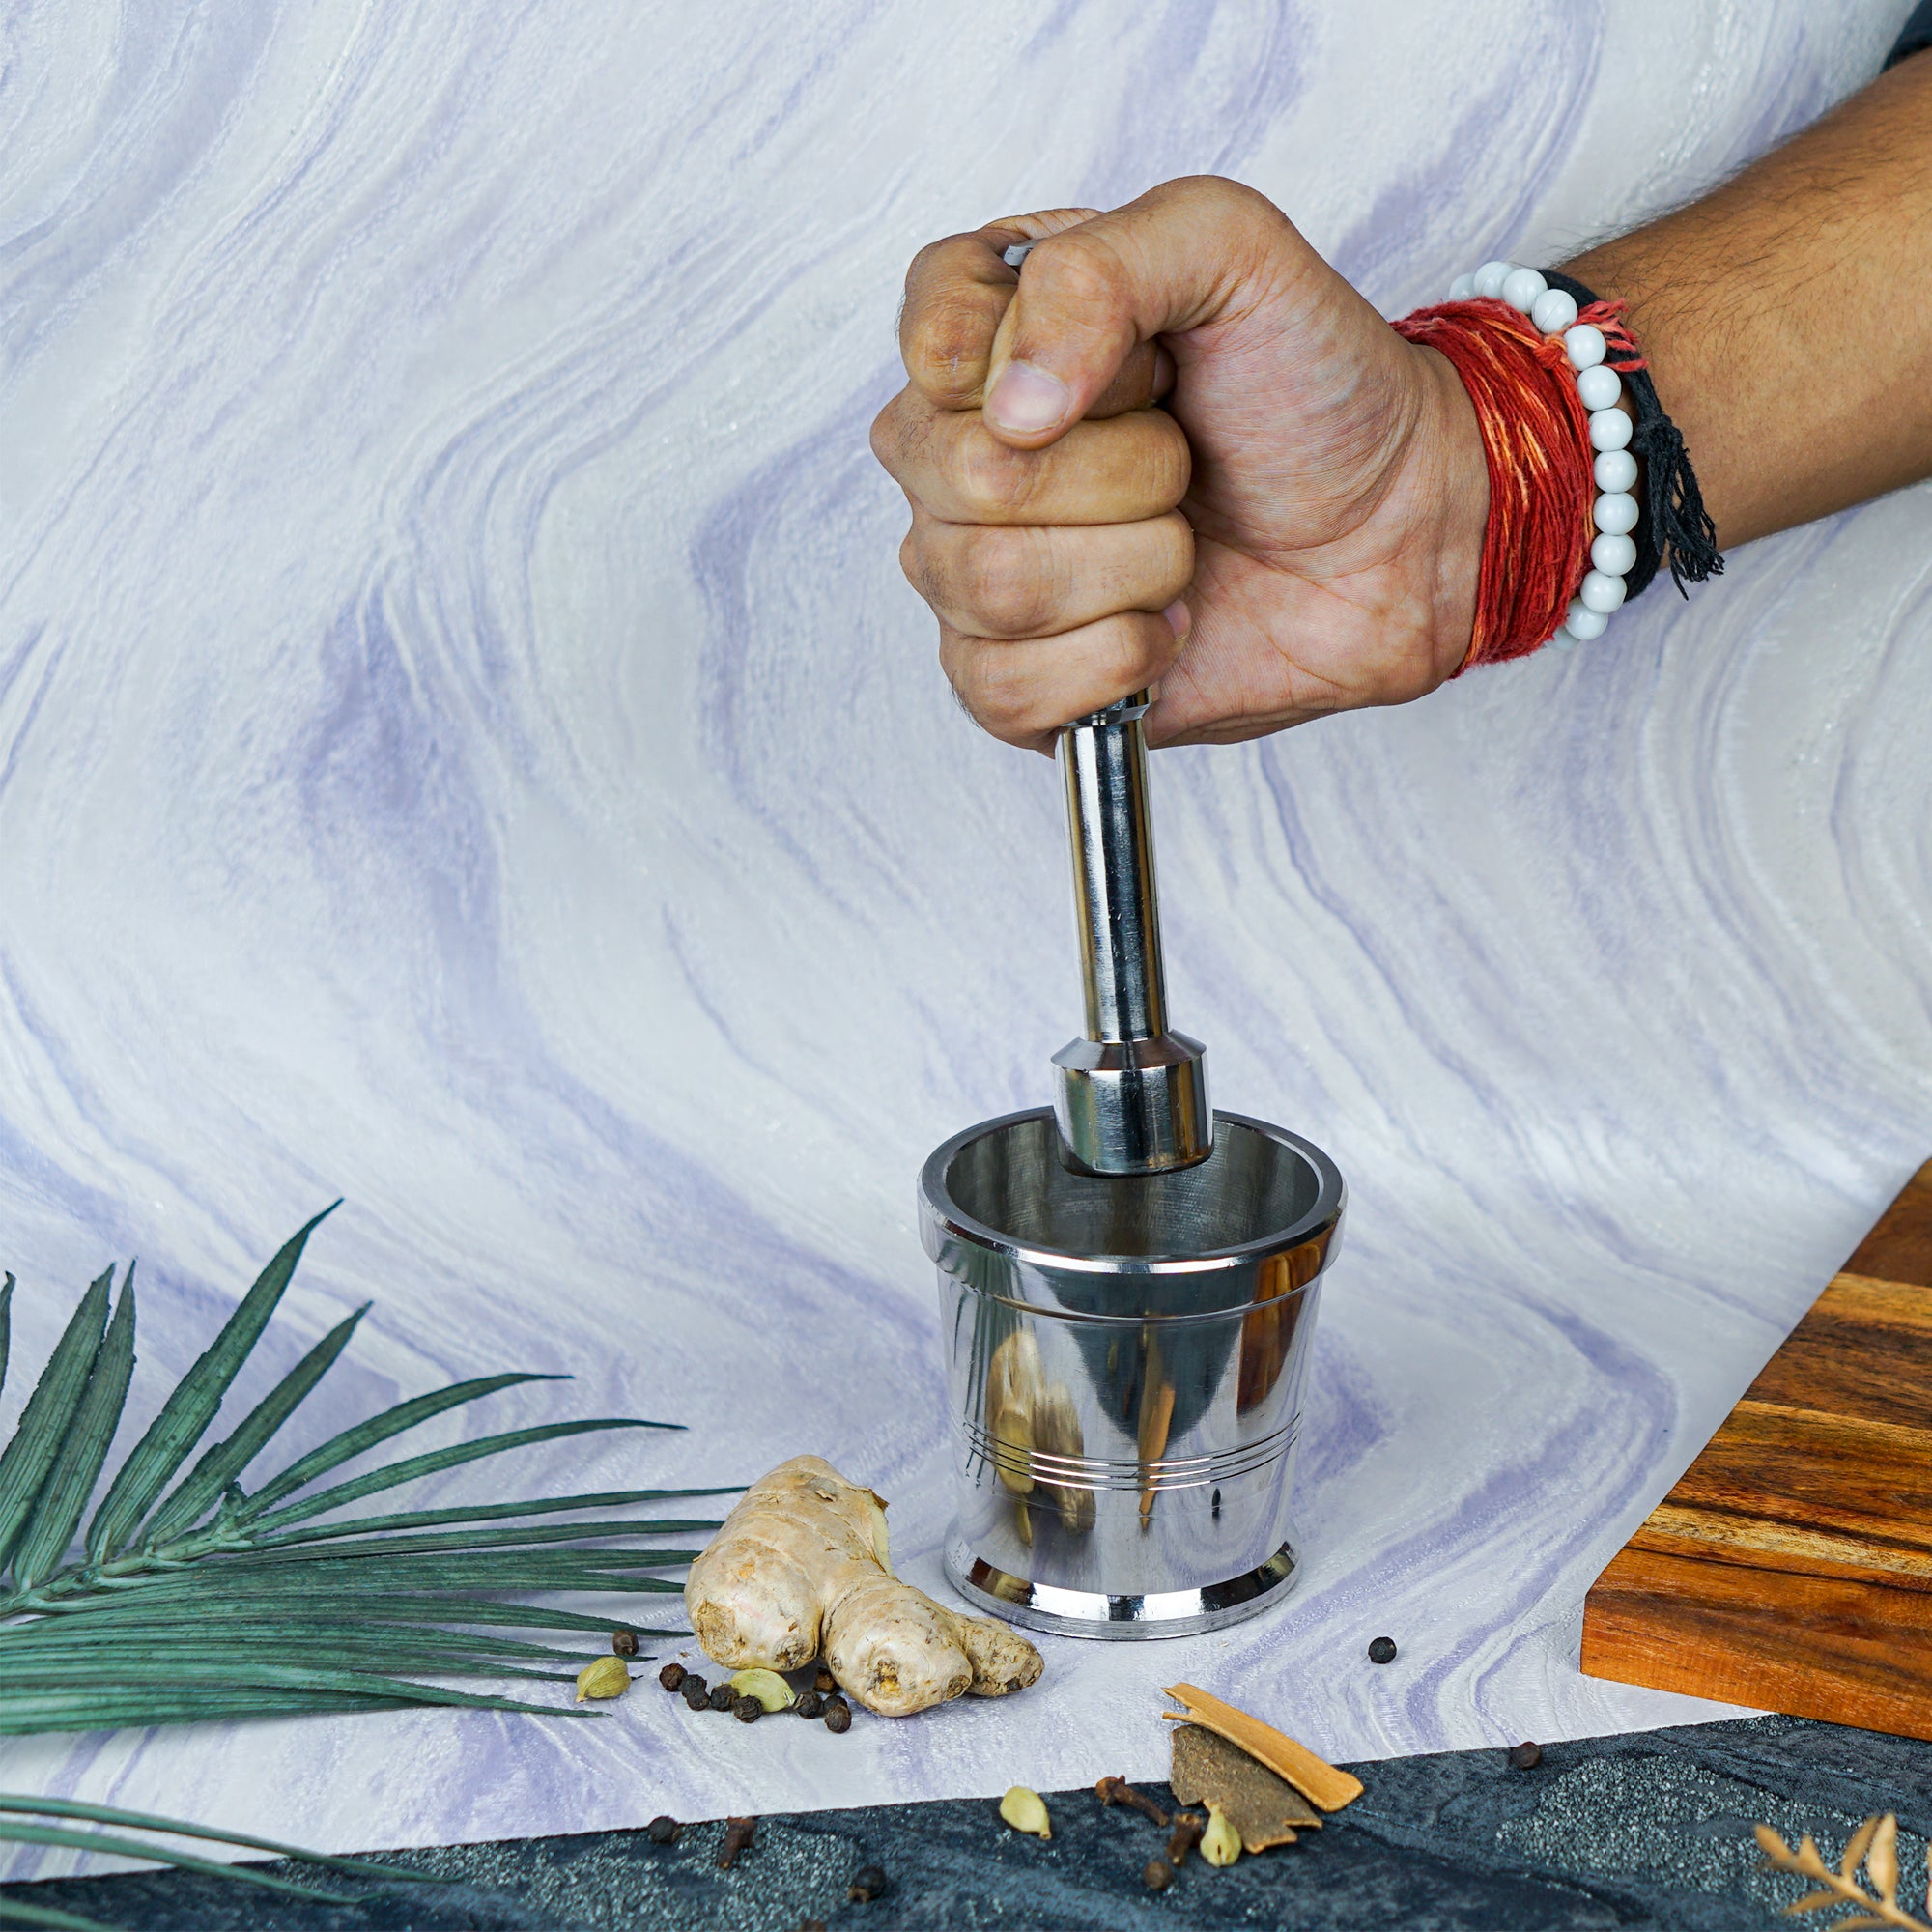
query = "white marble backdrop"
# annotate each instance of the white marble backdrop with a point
(464, 744)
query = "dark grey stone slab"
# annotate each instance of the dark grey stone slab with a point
(1651, 1830)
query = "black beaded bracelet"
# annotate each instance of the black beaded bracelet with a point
(1674, 527)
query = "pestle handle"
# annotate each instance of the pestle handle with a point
(1132, 1095)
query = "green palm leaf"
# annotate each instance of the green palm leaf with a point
(17, 1911)
(42, 1425)
(186, 1413)
(6, 1317)
(201, 1488)
(84, 1449)
(365, 1436)
(16, 1810)
(196, 1601)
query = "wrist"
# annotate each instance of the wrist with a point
(1455, 473)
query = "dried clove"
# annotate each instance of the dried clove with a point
(737, 1837)
(1526, 1757)
(838, 1714)
(1158, 1875)
(671, 1676)
(624, 1642)
(664, 1829)
(1118, 1790)
(868, 1882)
(1382, 1650)
(1188, 1826)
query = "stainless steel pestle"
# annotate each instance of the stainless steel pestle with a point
(1132, 1095)
(1127, 1286)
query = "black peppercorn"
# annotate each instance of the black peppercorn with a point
(747, 1709)
(1526, 1757)
(1382, 1650)
(671, 1676)
(692, 1681)
(825, 1683)
(838, 1714)
(694, 1695)
(1158, 1874)
(868, 1882)
(624, 1642)
(809, 1704)
(663, 1831)
(723, 1697)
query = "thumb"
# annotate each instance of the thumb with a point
(1092, 295)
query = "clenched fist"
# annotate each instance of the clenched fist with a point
(1180, 451)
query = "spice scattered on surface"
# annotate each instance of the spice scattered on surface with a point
(671, 1676)
(1220, 1842)
(1118, 1790)
(624, 1643)
(747, 1709)
(809, 1704)
(1025, 1811)
(1526, 1757)
(737, 1836)
(1158, 1875)
(838, 1714)
(607, 1677)
(693, 1685)
(1322, 1784)
(771, 1690)
(868, 1882)
(1382, 1650)
(1188, 1826)
(723, 1697)
(824, 1683)
(664, 1829)
(1265, 1808)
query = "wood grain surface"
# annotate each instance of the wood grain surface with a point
(1791, 1566)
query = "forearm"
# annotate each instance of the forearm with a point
(1787, 317)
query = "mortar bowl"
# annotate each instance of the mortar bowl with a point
(1124, 1368)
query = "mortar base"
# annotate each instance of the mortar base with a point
(1088, 1613)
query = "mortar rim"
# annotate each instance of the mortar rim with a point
(939, 1210)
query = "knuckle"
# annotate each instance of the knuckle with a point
(1000, 583)
(948, 346)
(1140, 647)
(992, 481)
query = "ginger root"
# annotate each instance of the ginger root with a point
(802, 1565)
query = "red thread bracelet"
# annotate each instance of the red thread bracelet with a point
(1535, 442)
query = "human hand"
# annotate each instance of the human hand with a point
(1296, 529)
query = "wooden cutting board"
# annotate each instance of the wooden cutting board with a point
(1791, 1569)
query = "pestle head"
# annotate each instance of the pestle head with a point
(1132, 1106)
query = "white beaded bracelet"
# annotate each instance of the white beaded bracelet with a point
(1614, 514)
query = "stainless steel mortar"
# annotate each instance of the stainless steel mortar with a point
(1127, 1289)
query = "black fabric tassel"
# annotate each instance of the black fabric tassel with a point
(1675, 527)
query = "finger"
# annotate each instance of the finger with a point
(1187, 254)
(1023, 693)
(1022, 581)
(1117, 471)
(958, 290)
